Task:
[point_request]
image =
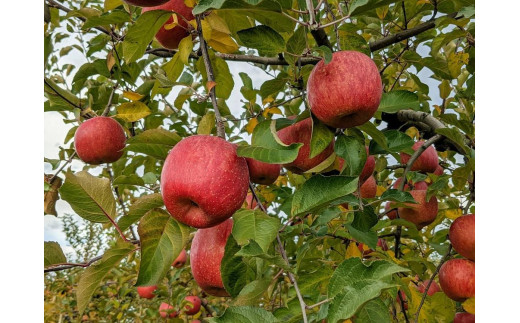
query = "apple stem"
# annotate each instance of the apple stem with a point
(211, 79)
(443, 260)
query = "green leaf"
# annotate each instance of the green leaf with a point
(132, 179)
(206, 124)
(139, 208)
(325, 52)
(272, 87)
(132, 111)
(354, 153)
(369, 237)
(256, 225)
(319, 191)
(455, 136)
(322, 136)
(244, 314)
(52, 254)
(391, 102)
(97, 67)
(233, 269)
(185, 48)
(252, 292)
(115, 17)
(223, 76)
(364, 220)
(162, 240)
(173, 68)
(252, 249)
(377, 135)
(268, 148)
(263, 38)
(375, 311)
(60, 101)
(89, 196)
(397, 196)
(357, 7)
(396, 141)
(296, 43)
(94, 274)
(141, 33)
(353, 284)
(154, 142)
(468, 11)
(309, 281)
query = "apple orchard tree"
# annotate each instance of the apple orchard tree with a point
(335, 183)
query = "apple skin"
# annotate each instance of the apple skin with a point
(439, 170)
(164, 308)
(203, 181)
(420, 214)
(368, 169)
(434, 288)
(417, 186)
(180, 260)
(194, 308)
(170, 38)
(457, 279)
(346, 92)
(302, 132)
(262, 173)
(99, 140)
(369, 188)
(146, 291)
(464, 318)
(462, 236)
(145, 3)
(207, 250)
(195, 321)
(427, 162)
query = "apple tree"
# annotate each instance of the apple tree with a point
(261, 161)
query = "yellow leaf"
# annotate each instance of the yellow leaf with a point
(455, 62)
(267, 100)
(112, 4)
(111, 60)
(352, 251)
(173, 24)
(210, 85)
(469, 305)
(453, 213)
(206, 124)
(217, 23)
(185, 48)
(381, 12)
(444, 89)
(132, 95)
(251, 125)
(190, 3)
(206, 29)
(273, 110)
(380, 190)
(132, 111)
(222, 42)
(412, 132)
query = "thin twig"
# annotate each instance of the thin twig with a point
(337, 21)
(319, 303)
(209, 71)
(443, 260)
(401, 300)
(62, 167)
(109, 104)
(312, 14)
(63, 266)
(61, 96)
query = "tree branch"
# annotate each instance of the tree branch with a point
(61, 168)
(59, 267)
(401, 300)
(221, 132)
(318, 304)
(109, 104)
(443, 260)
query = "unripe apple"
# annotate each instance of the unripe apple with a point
(415, 186)
(203, 181)
(347, 91)
(462, 236)
(194, 305)
(457, 279)
(99, 140)
(180, 260)
(301, 132)
(170, 38)
(434, 287)
(262, 173)
(427, 161)
(145, 3)
(207, 250)
(368, 169)
(464, 318)
(420, 214)
(166, 310)
(146, 291)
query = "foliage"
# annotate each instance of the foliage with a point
(102, 54)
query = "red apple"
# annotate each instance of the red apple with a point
(368, 169)
(420, 214)
(439, 170)
(99, 140)
(195, 321)
(203, 181)
(427, 161)
(262, 173)
(457, 278)
(462, 236)
(301, 132)
(194, 305)
(207, 250)
(393, 214)
(170, 38)
(180, 260)
(166, 310)
(146, 291)
(369, 188)
(464, 318)
(345, 92)
(434, 287)
(417, 186)
(145, 3)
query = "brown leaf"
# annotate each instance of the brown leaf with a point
(210, 85)
(51, 196)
